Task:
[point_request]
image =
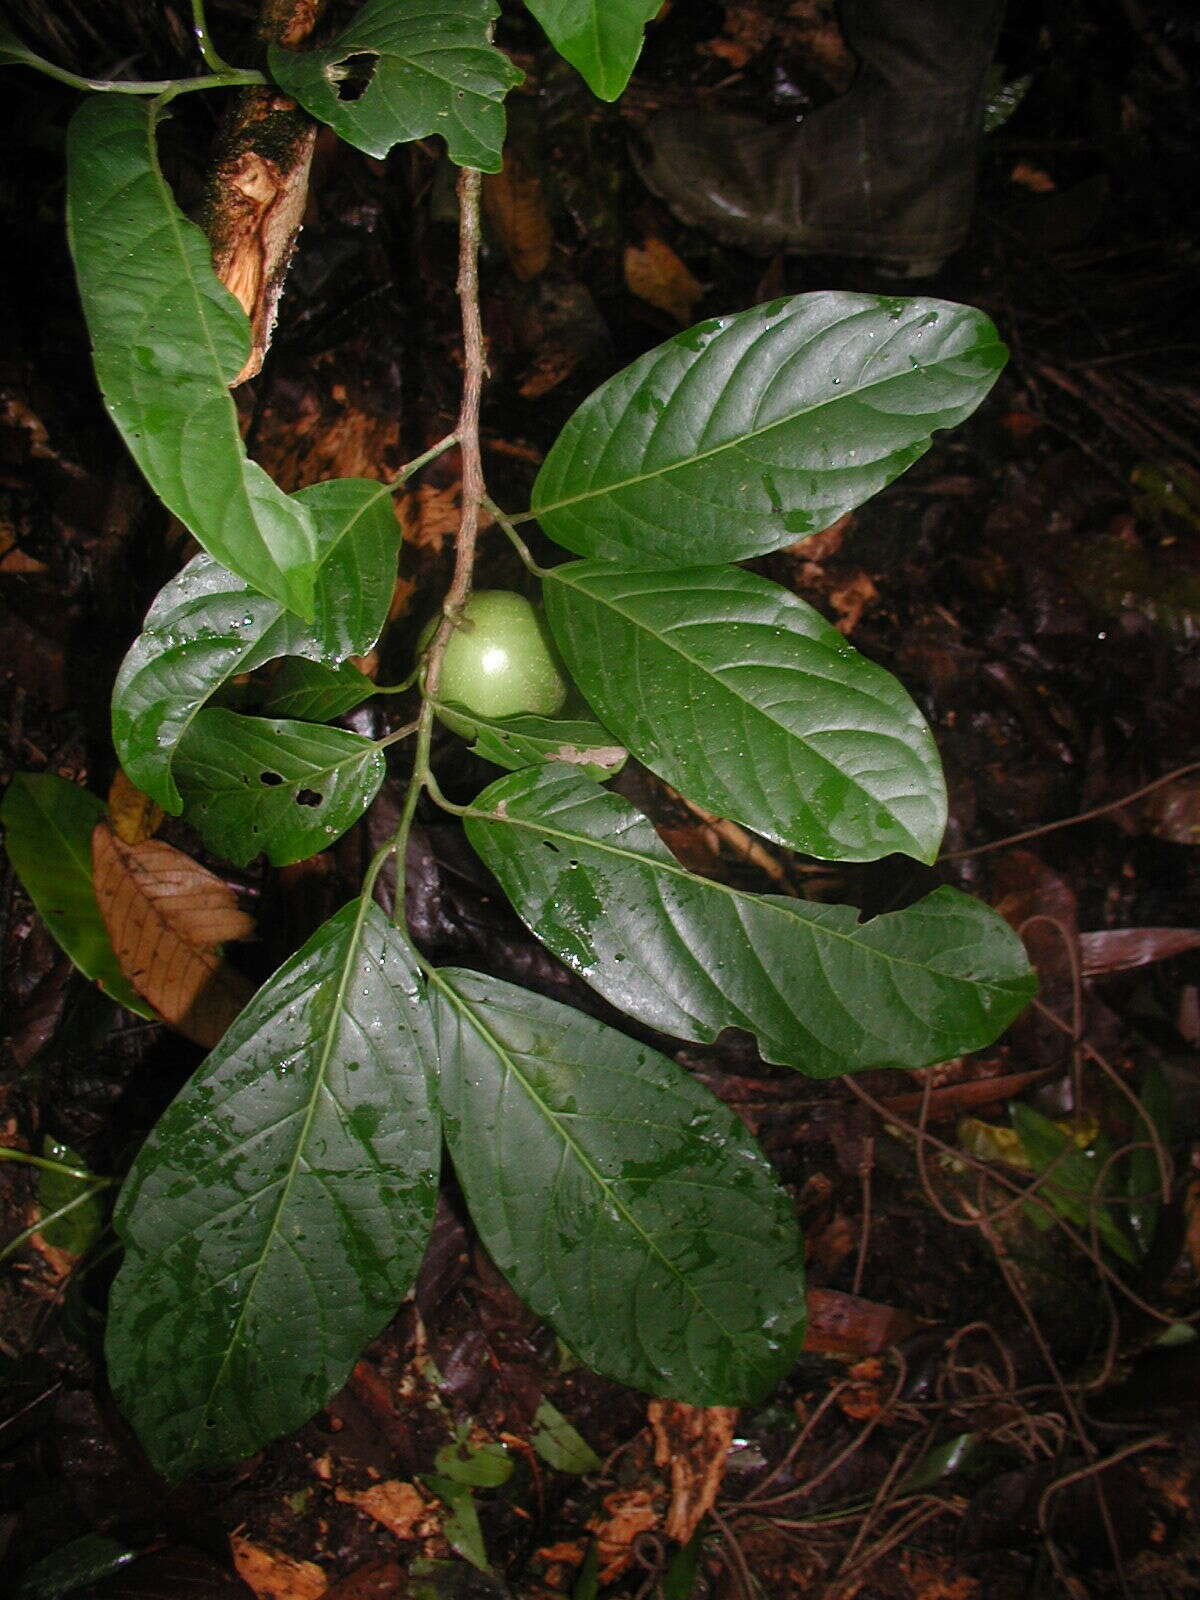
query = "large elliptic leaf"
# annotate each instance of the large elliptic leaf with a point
(167, 340)
(527, 741)
(602, 39)
(403, 69)
(48, 827)
(820, 991)
(745, 433)
(747, 701)
(207, 625)
(623, 1202)
(255, 784)
(280, 1209)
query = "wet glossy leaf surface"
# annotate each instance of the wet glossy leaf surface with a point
(746, 700)
(257, 784)
(821, 991)
(746, 433)
(404, 69)
(168, 338)
(527, 741)
(280, 1208)
(623, 1202)
(311, 692)
(48, 825)
(602, 39)
(206, 626)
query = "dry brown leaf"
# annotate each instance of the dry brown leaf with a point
(1191, 1212)
(844, 1324)
(629, 1512)
(1026, 176)
(380, 1580)
(273, 1576)
(656, 275)
(167, 918)
(134, 816)
(398, 1507)
(694, 1442)
(552, 366)
(515, 207)
(850, 600)
(431, 515)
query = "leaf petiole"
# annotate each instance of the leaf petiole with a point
(47, 1165)
(213, 61)
(508, 527)
(423, 460)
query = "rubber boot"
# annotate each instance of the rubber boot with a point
(886, 171)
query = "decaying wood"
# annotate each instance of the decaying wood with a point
(258, 188)
(693, 1441)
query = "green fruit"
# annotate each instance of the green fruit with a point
(499, 661)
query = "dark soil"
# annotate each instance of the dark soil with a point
(988, 1408)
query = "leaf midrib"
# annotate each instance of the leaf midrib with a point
(668, 643)
(499, 1048)
(738, 896)
(756, 433)
(273, 1228)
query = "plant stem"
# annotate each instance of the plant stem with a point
(473, 490)
(473, 495)
(212, 60)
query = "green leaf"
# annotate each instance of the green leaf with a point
(679, 1580)
(587, 1585)
(689, 956)
(48, 827)
(559, 1444)
(482, 1466)
(168, 339)
(1071, 1186)
(80, 1564)
(311, 692)
(461, 1528)
(746, 433)
(528, 741)
(280, 1209)
(403, 69)
(625, 1204)
(207, 625)
(746, 700)
(602, 39)
(78, 1230)
(252, 784)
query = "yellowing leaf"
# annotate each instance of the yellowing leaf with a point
(167, 918)
(656, 275)
(133, 815)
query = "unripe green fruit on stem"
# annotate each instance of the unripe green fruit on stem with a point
(499, 660)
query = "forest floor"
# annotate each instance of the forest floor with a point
(992, 1404)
